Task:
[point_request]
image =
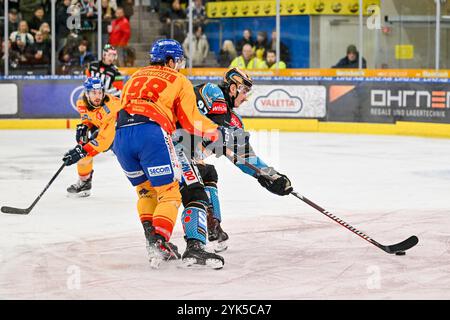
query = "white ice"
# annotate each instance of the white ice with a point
(280, 248)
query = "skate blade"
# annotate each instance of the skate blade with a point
(191, 263)
(219, 246)
(155, 262)
(82, 194)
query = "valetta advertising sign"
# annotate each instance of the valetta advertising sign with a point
(286, 102)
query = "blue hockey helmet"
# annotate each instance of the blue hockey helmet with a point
(164, 49)
(93, 83)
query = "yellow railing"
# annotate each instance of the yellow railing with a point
(369, 73)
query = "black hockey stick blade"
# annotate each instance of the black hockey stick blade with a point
(12, 210)
(401, 246)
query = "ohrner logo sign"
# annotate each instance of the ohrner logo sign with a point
(410, 98)
(279, 100)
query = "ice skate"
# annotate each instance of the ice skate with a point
(196, 256)
(216, 235)
(81, 189)
(158, 249)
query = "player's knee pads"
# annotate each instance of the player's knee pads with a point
(169, 193)
(147, 201)
(194, 223)
(213, 196)
(208, 173)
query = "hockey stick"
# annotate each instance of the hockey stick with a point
(398, 248)
(13, 210)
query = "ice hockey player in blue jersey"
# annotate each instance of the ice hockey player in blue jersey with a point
(217, 102)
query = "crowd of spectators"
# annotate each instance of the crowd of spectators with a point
(174, 20)
(76, 35)
(29, 33)
(249, 53)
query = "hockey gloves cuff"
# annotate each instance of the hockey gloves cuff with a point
(275, 182)
(74, 155)
(82, 133)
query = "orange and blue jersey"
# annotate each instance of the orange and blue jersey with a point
(166, 97)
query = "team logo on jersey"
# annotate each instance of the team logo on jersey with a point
(218, 107)
(99, 116)
(159, 171)
(235, 122)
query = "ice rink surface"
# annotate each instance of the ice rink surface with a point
(279, 248)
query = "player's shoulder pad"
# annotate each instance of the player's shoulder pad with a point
(81, 106)
(212, 92)
(113, 104)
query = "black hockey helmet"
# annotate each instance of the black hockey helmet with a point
(238, 77)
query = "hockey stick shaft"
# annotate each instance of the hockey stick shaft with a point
(307, 201)
(28, 210)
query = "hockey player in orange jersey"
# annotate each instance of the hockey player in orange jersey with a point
(95, 133)
(153, 100)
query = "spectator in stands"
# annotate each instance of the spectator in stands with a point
(155, 5)
(284, 50)
(62, 20)
(227, 54)
(128, 7)
(65, 60)
(120, 34)
(271, 60)
(82, 57)
(246, 60)
(36, 20)
(246, 38)
(39, 52)
(19, 52)
(200, 49)
(45, 30)
(13, 22)
(351, 60)
(109, 8)
(22, 34)
(198, 13)
(173, 15)
(261, 45)
(2, 54)
(28, 7)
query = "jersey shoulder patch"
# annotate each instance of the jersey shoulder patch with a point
(81, 106)
(213, 96)
(212, 92)
(236, 121)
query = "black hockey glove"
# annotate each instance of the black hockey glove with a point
(275, 182)
(74, 155)
(82, 134)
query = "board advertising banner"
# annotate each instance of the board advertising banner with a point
(389, 102)
(288, 101)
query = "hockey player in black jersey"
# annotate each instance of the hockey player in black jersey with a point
(107, 71)
(217, 102)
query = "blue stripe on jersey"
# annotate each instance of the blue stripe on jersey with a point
(256, 161)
